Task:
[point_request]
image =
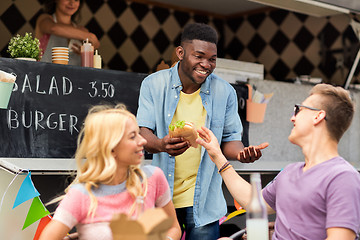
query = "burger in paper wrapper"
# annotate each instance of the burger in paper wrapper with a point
(184, 129)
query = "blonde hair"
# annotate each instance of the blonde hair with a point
(103, 129)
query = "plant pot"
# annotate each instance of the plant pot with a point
(26, 58)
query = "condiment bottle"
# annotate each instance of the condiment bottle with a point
(87, 54)
(97, 60)
(256, 214)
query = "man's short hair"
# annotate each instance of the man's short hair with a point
(339, 108)
(199, 31)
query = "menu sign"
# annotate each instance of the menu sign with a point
(49, 103)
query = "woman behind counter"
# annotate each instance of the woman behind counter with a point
(56, 28)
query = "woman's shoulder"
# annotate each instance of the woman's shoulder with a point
(44, 16)
(78, 187)
(151, 170)
(39, 26)
(148, 168)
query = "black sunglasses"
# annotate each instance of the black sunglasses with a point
(298, 106)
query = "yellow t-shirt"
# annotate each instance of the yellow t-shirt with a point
(190, 109)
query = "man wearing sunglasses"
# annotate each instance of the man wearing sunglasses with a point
(318, 198)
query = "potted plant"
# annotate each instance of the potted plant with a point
(24, 47)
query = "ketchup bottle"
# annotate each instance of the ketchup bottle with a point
(87, 54)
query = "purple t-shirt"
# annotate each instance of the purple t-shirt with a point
(307, 203)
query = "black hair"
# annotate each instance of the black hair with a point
(199, 31)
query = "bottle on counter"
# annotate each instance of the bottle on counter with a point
(97, 60)
(87, 54)
(256, 214)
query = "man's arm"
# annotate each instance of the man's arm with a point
(232, 149)
(173, 146)
(236, 150)
(340, 233)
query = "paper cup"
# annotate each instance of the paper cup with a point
(59, 54)
(54, 60)
(60, 51)
(7, 77)
(59, 57)
(62, 55)
(5, 93)
(255, 112)
(64, 61)
(60, 48)
(64, 52)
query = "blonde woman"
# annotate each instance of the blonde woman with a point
(109, 178)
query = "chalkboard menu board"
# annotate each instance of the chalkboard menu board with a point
(50, 102)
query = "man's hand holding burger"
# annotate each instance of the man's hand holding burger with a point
(182, 135)
(185, 130)
(174, 145)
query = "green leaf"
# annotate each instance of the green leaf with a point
(25, 46)
(178, 124)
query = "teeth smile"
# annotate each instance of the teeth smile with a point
(201, 71)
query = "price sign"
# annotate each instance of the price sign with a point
(50, 101)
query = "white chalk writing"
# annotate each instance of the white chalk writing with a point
(45, 87)
(38, 120)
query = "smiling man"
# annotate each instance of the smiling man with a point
(317, 198)
(189, 91)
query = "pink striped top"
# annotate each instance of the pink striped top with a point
(73, 209)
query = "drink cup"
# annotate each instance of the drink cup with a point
(7, 82)
(64, 61)
(59, 52)
(5, 93)
(61, 55)
(60, 49)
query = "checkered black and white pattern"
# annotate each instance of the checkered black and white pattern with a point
(291, 44)
(136, 37)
